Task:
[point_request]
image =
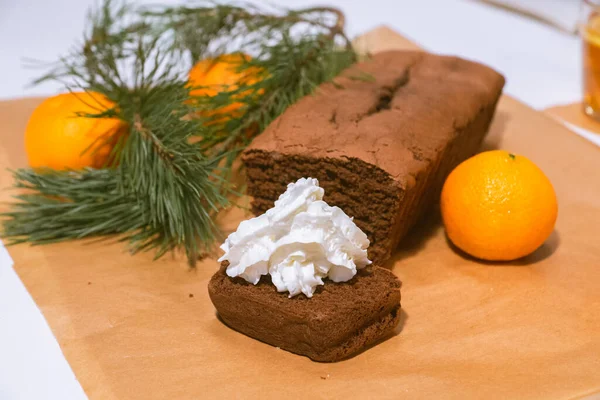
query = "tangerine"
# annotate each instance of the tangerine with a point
(498, 206)
(56, 137)
(212, 76)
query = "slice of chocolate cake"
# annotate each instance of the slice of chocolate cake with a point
(339, 320)
(380, 147)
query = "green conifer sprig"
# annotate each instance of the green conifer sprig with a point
(169, 173)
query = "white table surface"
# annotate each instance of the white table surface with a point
(542, 66)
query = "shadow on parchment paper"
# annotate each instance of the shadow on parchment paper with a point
(429, 224)
(396, 332)
(402, 321)
(493, 140)
(416, 238)
(543, 252)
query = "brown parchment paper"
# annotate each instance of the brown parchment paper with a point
(136, 329)
(573, 114)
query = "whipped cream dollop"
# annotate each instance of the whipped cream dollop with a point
(299, 242)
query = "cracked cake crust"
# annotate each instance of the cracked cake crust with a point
(380, 147)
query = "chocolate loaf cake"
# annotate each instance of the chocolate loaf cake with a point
(340, 319)
(380, 141)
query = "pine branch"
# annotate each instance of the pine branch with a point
(71, 204)
(163, 189)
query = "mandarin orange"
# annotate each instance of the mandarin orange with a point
(498, 206)
(221, 74)
(56, 137)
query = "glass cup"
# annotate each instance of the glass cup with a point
(589, 29)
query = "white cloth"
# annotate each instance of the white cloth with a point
(562, 13)
(32, 365)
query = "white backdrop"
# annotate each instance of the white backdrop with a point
(542, 66)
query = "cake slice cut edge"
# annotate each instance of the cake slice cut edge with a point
(338, 322)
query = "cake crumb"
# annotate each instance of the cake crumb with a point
(325, 377)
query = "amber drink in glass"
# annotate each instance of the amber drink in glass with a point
(590, 35)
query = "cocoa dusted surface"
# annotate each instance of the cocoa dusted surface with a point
(381, 141)
(399, 122)
(340, 320)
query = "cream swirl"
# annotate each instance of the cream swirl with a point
(299, 242)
